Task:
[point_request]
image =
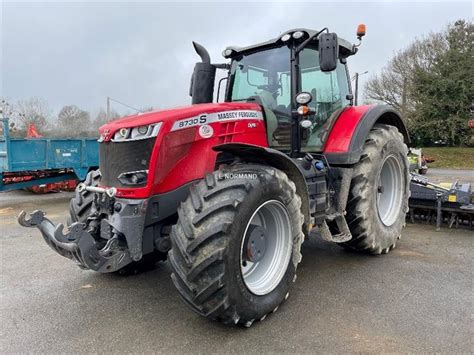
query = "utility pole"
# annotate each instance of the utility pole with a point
(356, 89)
(356, 96)
(108, 109)
(109, 100)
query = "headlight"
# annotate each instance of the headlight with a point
(123, 133)
(133, 177)
(142, 129)
(304, 98)
(285, 37)
(226, 53)
(137, 133)
(298, 34)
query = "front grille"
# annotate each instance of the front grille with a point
(117, 158)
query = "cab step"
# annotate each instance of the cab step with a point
(344, 234)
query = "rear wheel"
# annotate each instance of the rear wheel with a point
(80, 208)
(237, 243)
(378, 197)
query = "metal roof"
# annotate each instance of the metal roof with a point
(345, 47)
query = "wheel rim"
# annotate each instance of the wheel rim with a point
(264, 262)
(389, 190)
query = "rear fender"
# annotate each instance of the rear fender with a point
(348, 134)
(256, 154)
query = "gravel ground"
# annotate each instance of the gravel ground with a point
(418, 298)
(450, 175)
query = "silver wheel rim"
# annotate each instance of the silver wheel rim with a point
(263, 276)
(389, 190)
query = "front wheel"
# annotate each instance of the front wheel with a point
(237, 243)
(379, 192)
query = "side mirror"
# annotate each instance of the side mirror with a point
(328, 51)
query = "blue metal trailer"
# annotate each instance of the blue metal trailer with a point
(36, 161)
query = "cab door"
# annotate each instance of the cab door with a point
(330, 92)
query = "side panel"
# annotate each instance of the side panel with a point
(42, 154)
(347, 137)
(64, 153)
(28, 154)
(201, 158)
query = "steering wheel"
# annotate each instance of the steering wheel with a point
(276, 111)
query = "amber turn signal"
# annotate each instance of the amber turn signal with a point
(303, 110)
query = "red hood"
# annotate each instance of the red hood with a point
(173, 115)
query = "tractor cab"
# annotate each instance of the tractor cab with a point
(301, 81)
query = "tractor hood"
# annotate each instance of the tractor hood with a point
(168, 117)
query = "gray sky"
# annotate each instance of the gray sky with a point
(141, 53)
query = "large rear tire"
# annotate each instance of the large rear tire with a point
(379, 192)
(237, 243)
(80, 208)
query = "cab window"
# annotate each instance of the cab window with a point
(329, 91)
(264, 77)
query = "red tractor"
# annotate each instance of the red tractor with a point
(229, 191)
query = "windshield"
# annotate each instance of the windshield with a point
(264, 77)
(264, 72)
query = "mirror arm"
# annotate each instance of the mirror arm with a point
(305, 43)
(222, 66)
(219, 87)
(355, 46)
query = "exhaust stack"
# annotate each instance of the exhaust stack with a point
(202, 52)
(202, 81)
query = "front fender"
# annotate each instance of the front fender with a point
(272, 157)
(348, 134)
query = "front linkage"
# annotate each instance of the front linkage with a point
(78, 244)
(98, 242)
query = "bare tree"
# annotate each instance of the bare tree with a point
(33, 111)
(147, 109)
(394, 84)
(74, 121)
(102, 118)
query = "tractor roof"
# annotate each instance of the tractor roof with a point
(345, 47)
